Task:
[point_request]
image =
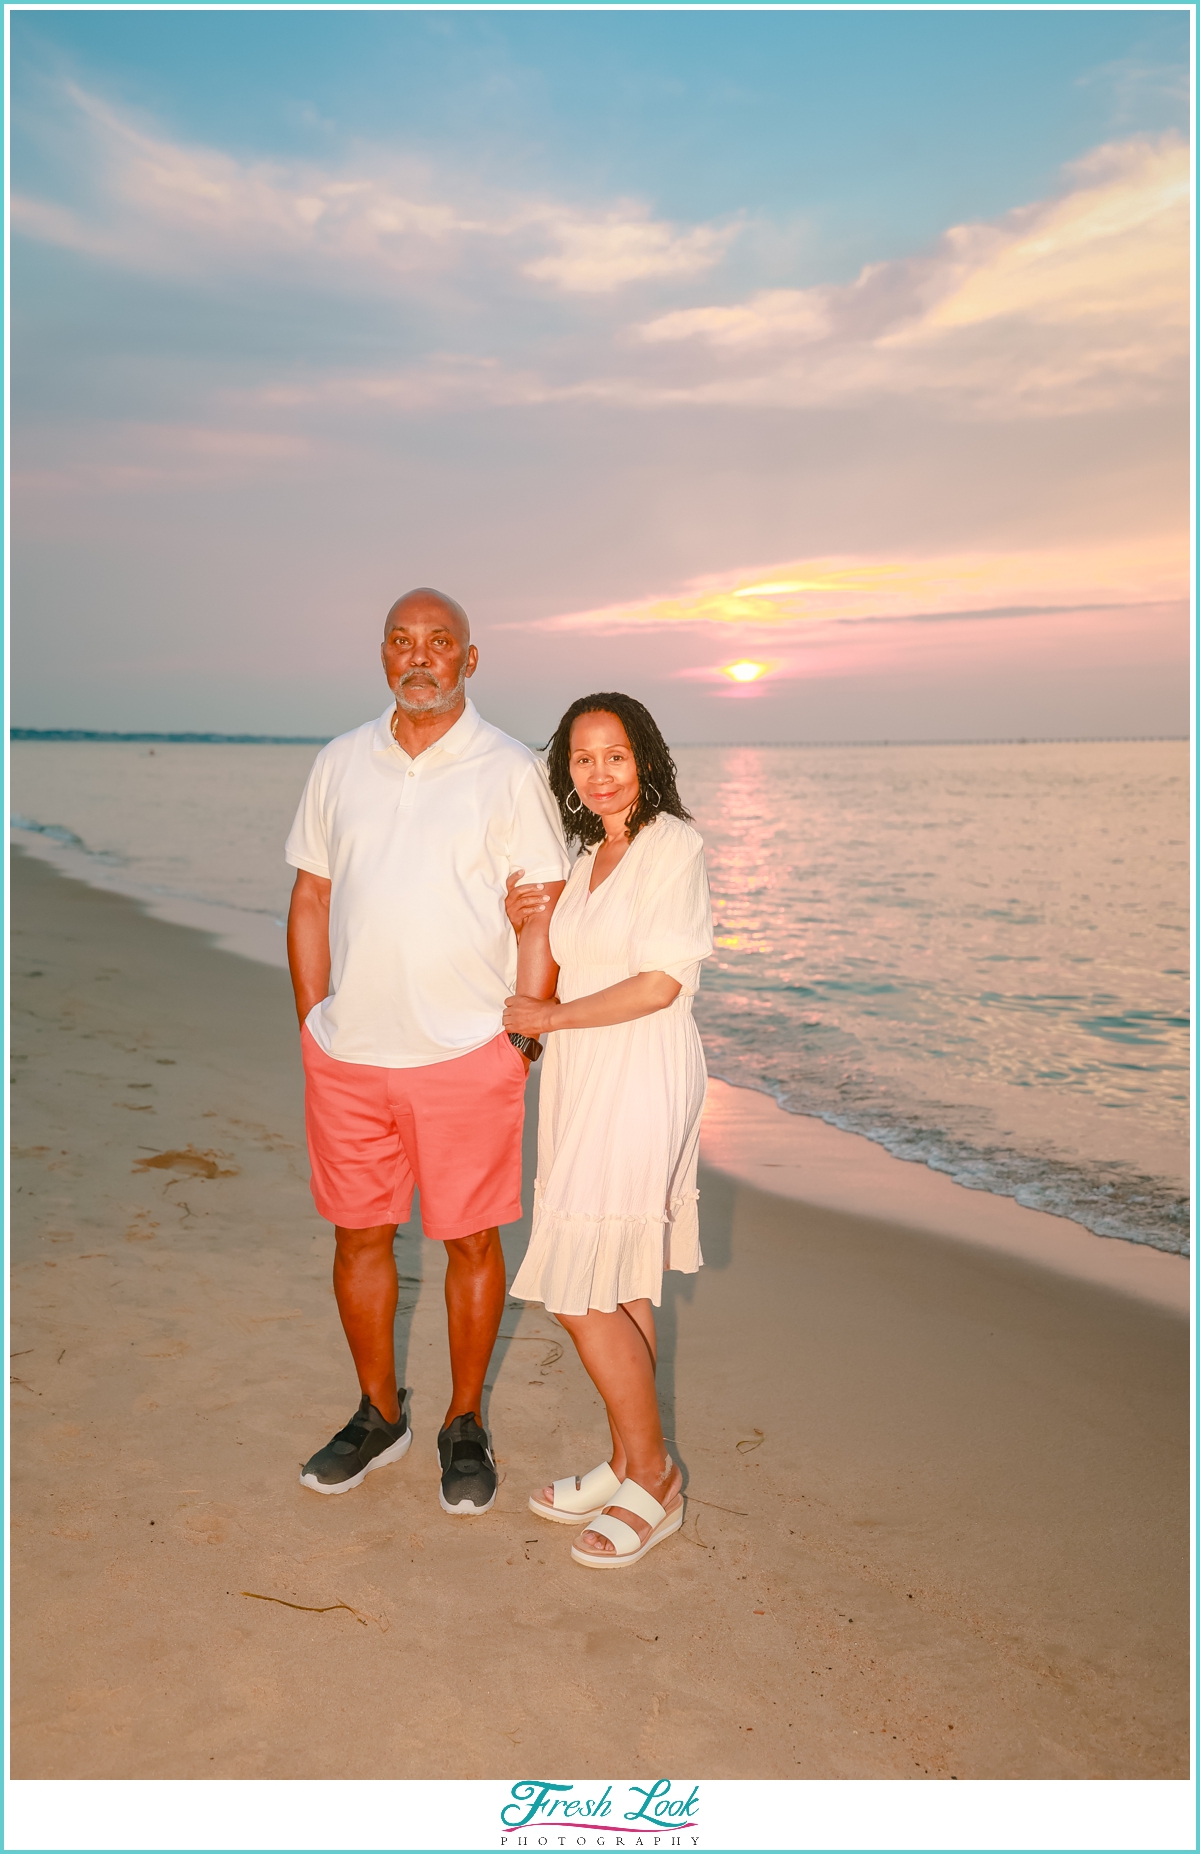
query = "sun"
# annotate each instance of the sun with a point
(745, 672)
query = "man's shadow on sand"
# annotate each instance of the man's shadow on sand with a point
(717, 1198)
(411, 1247)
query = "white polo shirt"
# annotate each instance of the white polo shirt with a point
(422, 956)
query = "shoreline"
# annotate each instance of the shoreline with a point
(800, 1157)
(797, 1143)
(937, 1493)
(235, 930)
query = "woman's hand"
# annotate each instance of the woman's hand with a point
(528, 1016)
(522, 904)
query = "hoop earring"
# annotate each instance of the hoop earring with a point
(574, 809)
(656, 801)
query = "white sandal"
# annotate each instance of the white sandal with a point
(628, 1547)
(576, 1505)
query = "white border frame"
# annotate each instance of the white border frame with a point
(409, 1814)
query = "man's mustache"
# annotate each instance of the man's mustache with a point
(412, 676)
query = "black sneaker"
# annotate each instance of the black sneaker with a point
(468, 1470)
(366, 1442)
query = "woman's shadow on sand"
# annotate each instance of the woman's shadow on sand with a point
(717, 1198)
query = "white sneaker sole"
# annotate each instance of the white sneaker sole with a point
(398, 1448)
(464, 1507)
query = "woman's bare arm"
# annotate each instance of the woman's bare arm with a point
(616, 1004)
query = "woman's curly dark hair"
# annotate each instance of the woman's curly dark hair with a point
(651, 757)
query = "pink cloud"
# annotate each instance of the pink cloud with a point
(768, 602)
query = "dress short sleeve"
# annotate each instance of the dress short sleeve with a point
(672, 931)
(307, 845)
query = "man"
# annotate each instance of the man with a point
(401, 958)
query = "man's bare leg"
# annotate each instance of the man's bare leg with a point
(366, 1289)
(475, 1290)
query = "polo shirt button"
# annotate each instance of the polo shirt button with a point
(412, 774)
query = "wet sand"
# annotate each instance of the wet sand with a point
(938, 1490)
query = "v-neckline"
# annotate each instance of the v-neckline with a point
(606, 880)
(612, 872)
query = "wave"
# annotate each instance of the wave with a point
(1110, 1200)
(133, 885)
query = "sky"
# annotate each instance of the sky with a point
(809, 375)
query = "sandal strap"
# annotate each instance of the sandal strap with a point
(599, 1485)
(623, 1538)
(635, 1499)
(596, 1488)
(569, 1499)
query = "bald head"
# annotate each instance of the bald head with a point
(425, 602)
(427, 656)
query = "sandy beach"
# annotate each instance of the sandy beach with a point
(935, 1448)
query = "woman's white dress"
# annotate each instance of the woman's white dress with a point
(615, 1200)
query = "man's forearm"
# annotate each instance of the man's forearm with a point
(537, 972)
(308, 952)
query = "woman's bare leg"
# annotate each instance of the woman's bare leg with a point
(618, 1358)
(642, 1314)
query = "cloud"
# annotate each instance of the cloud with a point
(797, 596)
(1133, 86)
(1072, 304)
(132, 457)
(1115, 248)
(1077, 304)
(793, 315)
(468, 381)
(626, 246)
(166, 207)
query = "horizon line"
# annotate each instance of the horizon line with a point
(209, 738)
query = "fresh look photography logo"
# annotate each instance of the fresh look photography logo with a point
(663, 1814)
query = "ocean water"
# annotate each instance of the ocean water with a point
(975, 955)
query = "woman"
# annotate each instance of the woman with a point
(615, 1201)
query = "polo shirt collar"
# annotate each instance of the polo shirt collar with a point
(461, 732)
(451, 742)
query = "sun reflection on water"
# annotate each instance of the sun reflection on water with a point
(978, 955)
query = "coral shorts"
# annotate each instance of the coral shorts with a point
(451, 1129)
